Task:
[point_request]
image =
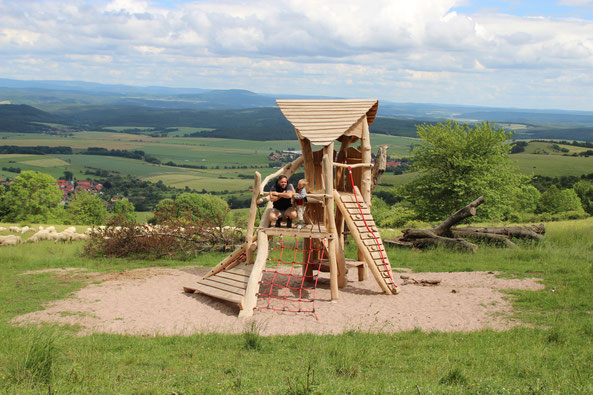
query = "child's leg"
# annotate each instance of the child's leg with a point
(300, 213)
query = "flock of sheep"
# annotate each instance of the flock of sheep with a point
(42, 233)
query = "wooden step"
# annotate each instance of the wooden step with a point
(216, 293)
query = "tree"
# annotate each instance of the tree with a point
(556, 201)
(32, 196)
(86, 208)
(584, 190)
(193, 207)
(124, 208)
(457, 164)
(68, 175)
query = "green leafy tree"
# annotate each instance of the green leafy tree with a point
(193, 207)
(556, 201)
(124, 208)
(86, 208)
(457, 164)
(33, 196)
(584, 190)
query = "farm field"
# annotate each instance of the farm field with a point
(209, 152)
(550, 351)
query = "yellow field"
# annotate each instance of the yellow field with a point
(15, 156)
(50, 162)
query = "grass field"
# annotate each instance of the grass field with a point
(551, 353)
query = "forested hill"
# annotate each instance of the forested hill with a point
(22, 118)
(249, 124)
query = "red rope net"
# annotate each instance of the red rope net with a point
(290, 286)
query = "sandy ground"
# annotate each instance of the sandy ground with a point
(151, 302)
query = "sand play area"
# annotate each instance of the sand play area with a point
(151, 302)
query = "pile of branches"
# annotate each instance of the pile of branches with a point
(446, 236)
(174, 239)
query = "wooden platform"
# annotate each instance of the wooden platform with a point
(229, 285)
(361, 223)
(309, 230)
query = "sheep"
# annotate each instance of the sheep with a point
(40, 228)
(71, 229)
(10, 240)
(2, 229)
(15, 229)
(25, 229)
(41, 235)
(64, 236)
(51, 229)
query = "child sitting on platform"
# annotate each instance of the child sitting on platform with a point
(300, 201)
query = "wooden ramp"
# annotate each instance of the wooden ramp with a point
(234, 280)
(226, 284)
(363, 229)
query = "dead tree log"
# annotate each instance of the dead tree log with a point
(455, 244)
(534, 232)
(493, 238)
(446, 236)
(379, 166)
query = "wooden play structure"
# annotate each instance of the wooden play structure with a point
(339, 193)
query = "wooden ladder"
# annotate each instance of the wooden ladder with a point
(368, 239)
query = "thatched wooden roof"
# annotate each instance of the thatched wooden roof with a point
(323, 121)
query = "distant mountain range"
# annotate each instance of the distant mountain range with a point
(237, 113)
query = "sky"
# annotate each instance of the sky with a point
(504, 53)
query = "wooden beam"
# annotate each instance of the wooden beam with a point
(354, 166)
(365, 149)
(252, 213)
(250, 298)
(308, 161)
(337, 269)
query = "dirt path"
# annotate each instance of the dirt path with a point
(151, 302)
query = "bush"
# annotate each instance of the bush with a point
(191, 207)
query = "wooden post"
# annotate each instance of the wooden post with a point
(366, 176)
(252, 214)
(337, 273)
(250, 298)
(308, 162)
(365, 149)
(342, 158)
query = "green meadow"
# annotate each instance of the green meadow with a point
(551, 351)
(246, 156)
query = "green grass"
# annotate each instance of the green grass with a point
(552, 353)
(553, 165)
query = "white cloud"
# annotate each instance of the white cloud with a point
(393, 48)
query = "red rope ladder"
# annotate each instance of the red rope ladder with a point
(284, 281)
(388, 269)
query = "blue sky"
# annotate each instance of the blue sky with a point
(546, 8)
(510, 53)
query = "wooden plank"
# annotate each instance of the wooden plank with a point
(219, 294)
(232, 281)
(227, 261)
(240, 278)
(242, 270)
(377, 255)
(212, 282)
(363, 223)
(294, 232)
